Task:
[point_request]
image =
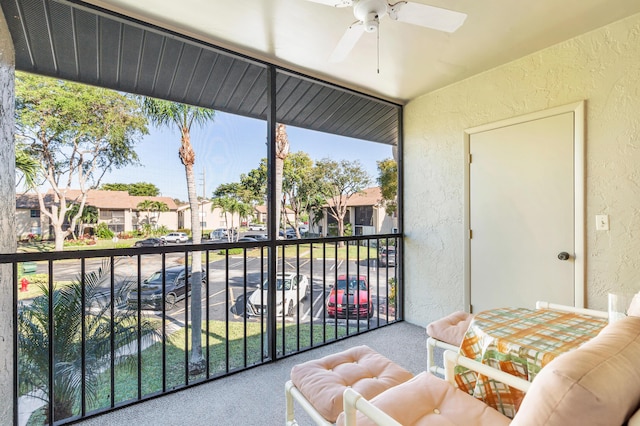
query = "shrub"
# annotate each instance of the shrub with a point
(232, 251)
(163, 230)
(38, 279)
(103, 231)
(392, 291)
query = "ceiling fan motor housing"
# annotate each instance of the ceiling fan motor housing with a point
(370, 12)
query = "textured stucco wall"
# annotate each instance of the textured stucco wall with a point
(602, 67)
(7, 220)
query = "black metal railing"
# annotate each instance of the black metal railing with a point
(100, 329)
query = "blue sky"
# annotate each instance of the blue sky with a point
(233, 145)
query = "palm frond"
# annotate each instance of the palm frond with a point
(99, 319)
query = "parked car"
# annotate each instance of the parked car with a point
(175, 237)
(150, 242)
(259, 237)
(350, 298)
(387, 256)
(151, 289)
(290, 290)
(257, 227)
(221, 233)
(247, 240)
(289, 234)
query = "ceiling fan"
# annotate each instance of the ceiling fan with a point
(369, 12)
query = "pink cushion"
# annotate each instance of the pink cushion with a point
(323, 381)
(427, 400)
(450, 329)
(596, 384)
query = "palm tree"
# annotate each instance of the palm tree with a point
(89, 215)
(282, 150)
(34, 333)
(28, 165)
(244, 210)
(146, 205)
(159, 207)
(182, 117)
(227, 205)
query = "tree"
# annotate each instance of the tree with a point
(34, 331)
(341, 180)
(77, 133)
(182, 117)
(228, 205)
(159, 207)
(388, 181)
(88, 216)
(282, 150)
(143, 189)
(152, 206)
(28, 165)
(238, 192)
(146, 205)
(300, 186)
(255, 183)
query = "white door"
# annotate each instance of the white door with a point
(522, 209)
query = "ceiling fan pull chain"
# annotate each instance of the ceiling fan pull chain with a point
(378, 48)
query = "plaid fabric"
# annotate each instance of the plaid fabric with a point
(520, 342)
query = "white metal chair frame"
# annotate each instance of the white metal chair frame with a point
(293, 394)
(433, 343)
(354, 402)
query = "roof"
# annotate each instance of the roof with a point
(106, 200)
(368, 197)
(262, 209)
(87, 44)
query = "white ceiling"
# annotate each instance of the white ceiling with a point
(301, 35)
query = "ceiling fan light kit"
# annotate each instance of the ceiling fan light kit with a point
(369, 13)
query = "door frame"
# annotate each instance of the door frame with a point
(579, 260)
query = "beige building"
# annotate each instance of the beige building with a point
(117, 209)
(365, 212)
(210, 218)
(260, 214)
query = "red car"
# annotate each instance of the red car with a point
(350, 298)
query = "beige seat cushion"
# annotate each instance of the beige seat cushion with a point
(427, 400)
(450, 329)
(323, 381)
(596, 384)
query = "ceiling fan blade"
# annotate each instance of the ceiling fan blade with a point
(334, 3)
(427, 16)
(347, 42)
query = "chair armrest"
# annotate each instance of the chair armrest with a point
(353, 402)
(451, 359)
(566, 308)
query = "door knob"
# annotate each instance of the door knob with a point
(564, 255)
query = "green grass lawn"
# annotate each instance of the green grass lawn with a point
(126, 378)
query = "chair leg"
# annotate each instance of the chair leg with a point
(291, 421)
(431, 366)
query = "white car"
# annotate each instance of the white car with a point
(290, 290)
(257, 227)
(175, 237)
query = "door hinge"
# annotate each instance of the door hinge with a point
(470, 234)
(470, 309)
(470, 158)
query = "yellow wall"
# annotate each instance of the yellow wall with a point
(602, 67)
